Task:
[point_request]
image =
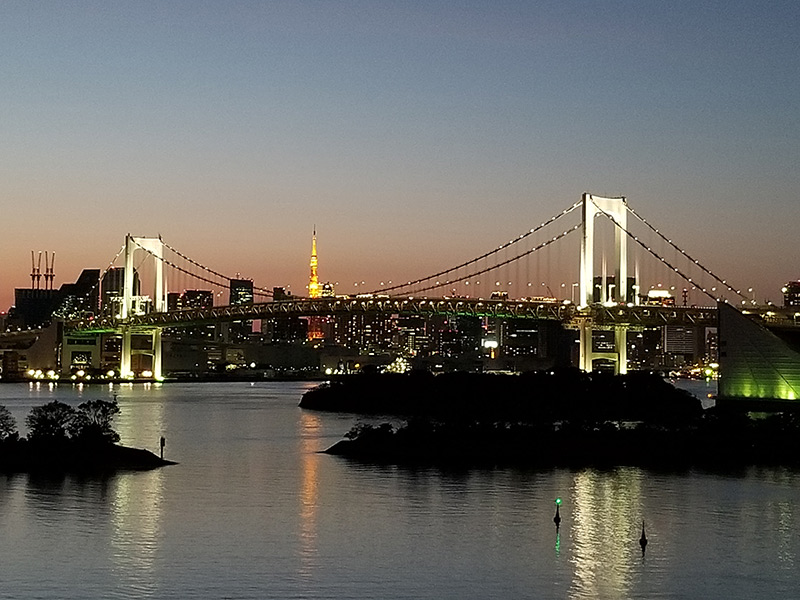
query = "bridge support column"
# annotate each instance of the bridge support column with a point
(621, 345)
(157, 374)
(586, 354)
(125, 355)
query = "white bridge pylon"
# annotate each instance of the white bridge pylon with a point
(616, 209)
(132, 303)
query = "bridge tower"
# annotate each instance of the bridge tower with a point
(615, 208)
(132, 304)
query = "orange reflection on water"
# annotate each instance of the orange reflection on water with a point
(310, 426)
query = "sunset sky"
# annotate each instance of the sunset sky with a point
(414, 135)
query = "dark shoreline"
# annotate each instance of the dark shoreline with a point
(424, 442)
(168, 380)
(536, 397)
(22, 456)
(550, 419)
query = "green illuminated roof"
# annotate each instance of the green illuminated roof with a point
(755, 363)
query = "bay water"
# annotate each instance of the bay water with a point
(254, 510)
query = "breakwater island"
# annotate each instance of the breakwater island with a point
(551, 418)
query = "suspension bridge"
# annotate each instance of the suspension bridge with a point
(596, 265)
(602, 264)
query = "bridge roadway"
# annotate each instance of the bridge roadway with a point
(600, 315)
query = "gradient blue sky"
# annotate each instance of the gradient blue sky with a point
(413, 134)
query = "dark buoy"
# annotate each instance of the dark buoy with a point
(643, 540)
(557, 518)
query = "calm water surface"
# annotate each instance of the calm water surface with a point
(254, 511)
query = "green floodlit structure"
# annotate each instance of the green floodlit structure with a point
(759, 367)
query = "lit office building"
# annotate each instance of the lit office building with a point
(791, 294)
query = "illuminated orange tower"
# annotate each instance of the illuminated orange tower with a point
(313, 280)
(314, 291)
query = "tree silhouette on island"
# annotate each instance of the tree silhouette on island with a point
(69, 439)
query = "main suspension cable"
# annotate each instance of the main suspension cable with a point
(686, 255)
(259, 290)
(498, 265)
(481, 257)
(665, 261)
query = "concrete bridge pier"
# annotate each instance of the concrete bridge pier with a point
(125, 371)
(127, 351)
(587, 354)
(157, 374)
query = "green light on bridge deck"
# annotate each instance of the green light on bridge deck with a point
(558, 501)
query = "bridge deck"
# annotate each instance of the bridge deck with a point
(600, 315)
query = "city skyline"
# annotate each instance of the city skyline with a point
(427, 132)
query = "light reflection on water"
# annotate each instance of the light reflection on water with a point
(309, 494)
(136, 530)
(607, 511)
(254, 511)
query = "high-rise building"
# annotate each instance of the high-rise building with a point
(174, 301)
(200, 298)
(283, 328)
(81, 298)
(112, 288)
(191, 299)
(241, 292)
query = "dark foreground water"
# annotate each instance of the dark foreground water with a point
(254, 511)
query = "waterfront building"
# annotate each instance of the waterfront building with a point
(35, 307)
(758, 366)
(791, 294)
